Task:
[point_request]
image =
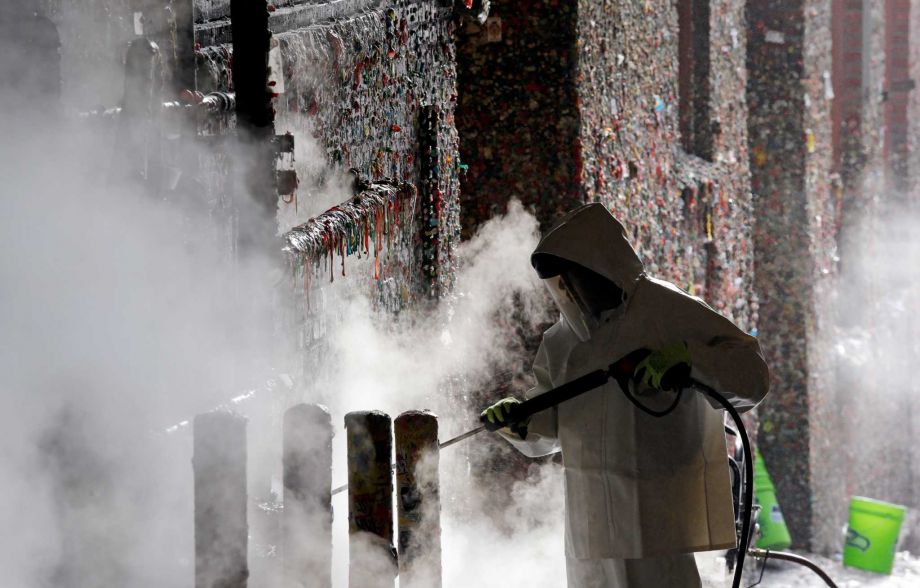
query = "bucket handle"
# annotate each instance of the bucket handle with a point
(857, 540)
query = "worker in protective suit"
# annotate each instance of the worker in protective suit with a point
(641, 493)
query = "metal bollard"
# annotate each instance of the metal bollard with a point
(307, 514)
(372, 557)
(221, 528)
(418, 500)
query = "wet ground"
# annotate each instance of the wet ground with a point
(906, 573)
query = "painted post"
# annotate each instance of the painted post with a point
(418, 500)
(372, 556)
(307, 514)
(221, 528)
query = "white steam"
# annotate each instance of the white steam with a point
(121, 315)
(117, 317)
(873, 347)
(397, 367)
(431, 362)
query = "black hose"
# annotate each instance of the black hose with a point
(748, 478)
(647, 410)
(767, 554)
(745, 444)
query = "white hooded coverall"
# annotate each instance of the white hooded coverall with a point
(641, 493)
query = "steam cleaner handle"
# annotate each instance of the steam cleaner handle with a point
(519, 413)
(621, 371)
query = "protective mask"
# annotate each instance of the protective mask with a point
(573, 309)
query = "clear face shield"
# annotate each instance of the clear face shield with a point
(573, 308)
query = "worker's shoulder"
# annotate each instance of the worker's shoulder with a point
(653, 287)
(666, 303)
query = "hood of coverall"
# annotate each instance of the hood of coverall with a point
(591, 237)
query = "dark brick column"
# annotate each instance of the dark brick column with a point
(789, 50)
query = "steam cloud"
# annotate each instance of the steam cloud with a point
(122, 314)
(108, 333)
(405, 366)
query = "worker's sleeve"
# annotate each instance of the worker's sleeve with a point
(542, 429)
(724, 357)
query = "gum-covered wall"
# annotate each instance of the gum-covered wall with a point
(567, 102)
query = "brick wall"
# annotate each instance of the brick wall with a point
(820, 131)
(690, 213)
(363, 91)
(579, 102)
(516, 111)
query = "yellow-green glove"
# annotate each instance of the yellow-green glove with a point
(500, 410)
(665, 369)
(497, 415)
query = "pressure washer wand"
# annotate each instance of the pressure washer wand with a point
(460, 438)
(518, 413)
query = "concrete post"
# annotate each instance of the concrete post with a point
(307, 515)
(372, 562)
(221, 528)
(418, 500)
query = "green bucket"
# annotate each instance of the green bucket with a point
(773, 531)
(872, 534)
